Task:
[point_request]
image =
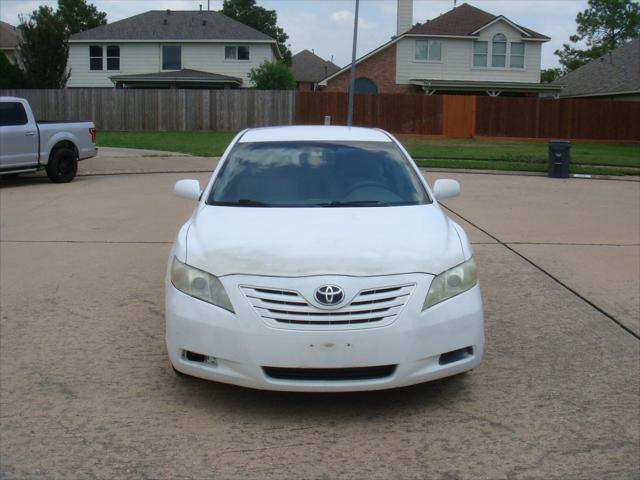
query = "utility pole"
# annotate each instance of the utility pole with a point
(352, 84)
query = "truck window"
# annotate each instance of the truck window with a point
(12, 113)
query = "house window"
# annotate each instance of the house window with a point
(480, 52)
(428, 50)
(240, 52)
(499, 51)
(517, 55)
(95, 57)
(171, 57)
(113, 57)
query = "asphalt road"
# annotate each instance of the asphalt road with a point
(86, 389)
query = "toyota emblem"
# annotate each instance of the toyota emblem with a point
(329, 295)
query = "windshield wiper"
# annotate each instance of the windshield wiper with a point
(352, 203)
(248, 202)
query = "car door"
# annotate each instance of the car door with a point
(18, 137)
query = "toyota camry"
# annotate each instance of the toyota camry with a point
(319, 259)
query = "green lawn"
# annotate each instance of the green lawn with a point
(588, 153)
(516, 155)
(204, 144)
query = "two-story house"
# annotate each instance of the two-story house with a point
(465, 50)
(169, 49)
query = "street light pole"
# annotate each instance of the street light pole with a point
(352, 83)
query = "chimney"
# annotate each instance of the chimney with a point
(405, 16)
(168, 12)
(200, 8)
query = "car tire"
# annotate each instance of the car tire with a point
(63, 165)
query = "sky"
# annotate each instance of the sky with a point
(326, 26)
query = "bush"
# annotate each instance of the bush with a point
(10, 75)
(272, 76)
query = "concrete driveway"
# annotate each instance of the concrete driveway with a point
(86, 389)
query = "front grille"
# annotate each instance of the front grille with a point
(370, 307)
(330, 374)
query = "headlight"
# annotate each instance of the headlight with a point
(451, 283)
(199, 284)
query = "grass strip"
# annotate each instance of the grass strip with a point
(523, 167)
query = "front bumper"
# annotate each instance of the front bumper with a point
(243, 343)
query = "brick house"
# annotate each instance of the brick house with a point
(465, 51)
(308, 69)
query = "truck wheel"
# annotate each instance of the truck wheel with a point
(62, 166)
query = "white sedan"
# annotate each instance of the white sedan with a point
(318, 259)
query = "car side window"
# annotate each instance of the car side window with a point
(12, 113)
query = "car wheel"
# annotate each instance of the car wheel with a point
(63, 165)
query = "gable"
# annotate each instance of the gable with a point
(513, 35)
(467, 21)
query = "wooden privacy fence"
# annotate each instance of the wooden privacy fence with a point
(162, 110)
(567, 118)
(395, 113)
(233, 110)
(469, 116)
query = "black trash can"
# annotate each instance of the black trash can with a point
(559, 158)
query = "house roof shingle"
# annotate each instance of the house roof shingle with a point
(9, 36)
(463, 21)
(616, 72)
(308, 67)
(184, 75)
(180, 25)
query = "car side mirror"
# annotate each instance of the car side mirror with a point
(189, 189)
(446, 188)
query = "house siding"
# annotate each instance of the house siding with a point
(138, 58)
(380, 68)
(457, 60)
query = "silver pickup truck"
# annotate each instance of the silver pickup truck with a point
(27, 145)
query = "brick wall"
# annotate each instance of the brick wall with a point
(380, 68)
(305, 86)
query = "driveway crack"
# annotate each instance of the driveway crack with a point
(554, 278)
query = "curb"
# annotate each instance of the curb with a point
(577, 176)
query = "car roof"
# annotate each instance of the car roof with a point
(10, 99)
(315, 133)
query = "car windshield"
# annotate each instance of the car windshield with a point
(317, 174)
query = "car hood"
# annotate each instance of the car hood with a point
(322, 241)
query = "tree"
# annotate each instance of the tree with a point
(80, 16)
(548, 75)
(263, 20)
(604, 26)
(10, 75)
(44, 50)
(272, 76)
